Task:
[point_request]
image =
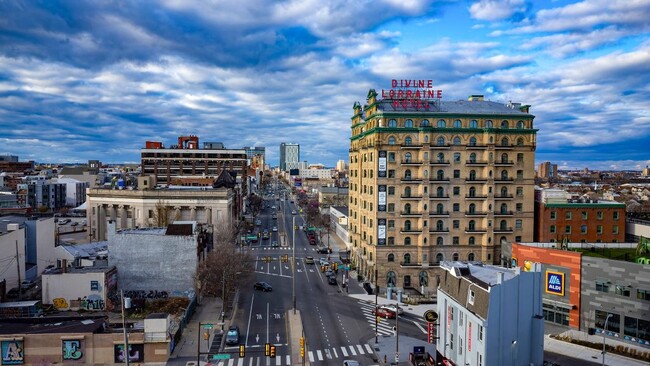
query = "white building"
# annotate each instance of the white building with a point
(77, 288)
(289, 153)
(490, 315)
(12, 247)
(75, 191)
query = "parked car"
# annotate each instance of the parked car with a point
(232, 337)
(324, 262)
(74, 223)
(324, 250)
(384, 313)
(13, 293)
(293, 212)
(331, 280)
(27, 284)
(262, 286)
(309, 260)
(275, 228)
(329, 272)
(393, 308)
(64, 221)
(275, 244)
(351, 363)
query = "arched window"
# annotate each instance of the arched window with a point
(424, 279)
(472, 158)
(472, 208)
(407, 192)
(504, 191)
(472, 192)
(424, 123)
(456, 140)
(407, 208)
(408, 123)
(504, 124)
(442, 123)
(504, 208)
(441, 141)
(504, 174)
(440, 208)
(454, 257)
(407, 241)
(391, 257)
(407, 157)
(504, 158)
(408, 141)
(407, 258)
(471, 240)
(503, 225)
(391, 279)
(439, 225)
(392, 123)
(440, 241)
(504, 141)
(426, 154)
(472, 141)
(472, 174)
(440, 192)
(439, 257)
(520, 142)
(426, 138)
(441, 158)
(426, 173)
(520, 124)
(407, 225)
(473, 124)
(458, 124)
(489, 124)
(407, 174)
(470, 257)
(440, 174)
(391, 140)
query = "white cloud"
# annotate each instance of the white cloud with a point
(494, 10)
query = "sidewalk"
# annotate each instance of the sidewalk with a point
(209, 311)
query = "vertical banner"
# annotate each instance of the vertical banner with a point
(469, 337)
(381, 231)
(382, 164)
(381, 194)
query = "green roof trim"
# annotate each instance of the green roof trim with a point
(585, 205)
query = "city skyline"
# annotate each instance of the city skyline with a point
(87, 80)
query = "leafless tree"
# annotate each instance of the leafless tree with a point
(161, 215)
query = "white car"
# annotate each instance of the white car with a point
(293, 212)
(275, 228)
(392, 307)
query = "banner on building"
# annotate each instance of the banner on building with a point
(381, 231)
(382, 164)
(381, 194)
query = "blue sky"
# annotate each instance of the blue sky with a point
(96, 79)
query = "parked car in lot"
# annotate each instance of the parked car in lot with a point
(384, 313)
(232, 337)
(394, 308)
(63, 221)
(262, 286)
(74, 223)
(309, 260)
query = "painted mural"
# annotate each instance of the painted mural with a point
(13, 352)
(136, 353)
(72, 351)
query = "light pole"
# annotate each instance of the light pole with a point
(376, 306)
(397, 331)
(513, 353)
(293, 262)
(126, 337)
(604, 330)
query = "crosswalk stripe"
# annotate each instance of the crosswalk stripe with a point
(368, 348)
(336, 355)
(311, 356)
(344, 351)
(250, 363)
(278, 361)
(320, 355)
(240, 362)
(360, 349)
(288, 359)
(354, 353)
(231, 362)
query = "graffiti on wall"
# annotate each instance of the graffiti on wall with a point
(144, 294)
(60, 303)
(72, 350)
(136, 353)
(13, 352)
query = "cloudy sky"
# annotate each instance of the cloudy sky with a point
(96, 79)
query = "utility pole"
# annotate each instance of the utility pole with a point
(376, 306)
(293, 263)
(20, 288)
(126, 337)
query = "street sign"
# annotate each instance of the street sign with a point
(206, 326)
(221, 356)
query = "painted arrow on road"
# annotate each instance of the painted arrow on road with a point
(257, 338)
(277, 337)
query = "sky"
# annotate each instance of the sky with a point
(96, 79)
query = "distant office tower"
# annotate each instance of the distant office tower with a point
(289, 153)
(340, 165)
(256, 155)
(547, 170)
(646, 172)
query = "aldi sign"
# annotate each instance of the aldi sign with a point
(555, 283)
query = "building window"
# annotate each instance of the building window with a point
(390, 224)
(584, 215)
(615, 215)
(456, 173)
(456, 140)
(456, 157)
(425, 123)
(442, 123)
(454, 257)
(622, 290)
(408, 141)
(391, 257)
(407, 241)
(553, 215)
(583, 229)
(552, 229)
(456, 224)
(472, 141)
(391, 140)
(455, 241)
(599, 215)
(518, 223)
(504, 124)
(408, 123)
(456, 207)
(519, 207)
(392, 123)
(441, 141)
(637, 328)
(568, 215)
(391, 240)
(599, 229)
(456, 191)
(602, 286)
(520, 191)
(440, 241)
(567, 229)
(407, 258)
(471, 241)
(391, 191)
(615, 229)
(473, 124)
(643, 294)
(391, 207)
(391, 157)
(458, 124)
(94, 285)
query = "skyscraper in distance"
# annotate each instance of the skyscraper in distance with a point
(289, 153)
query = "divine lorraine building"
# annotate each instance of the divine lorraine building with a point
(434, 180)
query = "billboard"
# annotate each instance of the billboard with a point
(294, 172)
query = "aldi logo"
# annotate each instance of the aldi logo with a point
(555, 283)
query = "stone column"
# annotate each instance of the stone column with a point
(208, 215)
(101, 223)
(123, 219)
(113, 212)
(177, 214)
(133, 222)
(193, 213)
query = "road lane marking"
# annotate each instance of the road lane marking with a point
(368, 348)
(336, 355)
(419, 326)
(311, 356)
(320, 355)
(288, 359)
(354, 353)
(240, 362)
(360, 349)
(344, 351)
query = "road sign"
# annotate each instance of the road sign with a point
(206, 326)
(221, 356)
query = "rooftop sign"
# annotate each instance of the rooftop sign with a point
(418, 94)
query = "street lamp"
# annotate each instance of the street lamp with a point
(605, 329)
(512, 352)
(126, 303)
(293, 262)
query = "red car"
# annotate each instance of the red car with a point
(384, 313)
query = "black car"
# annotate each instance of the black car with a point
(324, 250)
(262, 286)
(331, 280)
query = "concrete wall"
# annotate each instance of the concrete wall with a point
(8, 245)
(73, 291)
(147, 260)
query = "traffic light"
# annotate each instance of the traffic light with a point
(206, 336)
(302, 347)
(272, 351)
(242, 350)
(267, 349)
